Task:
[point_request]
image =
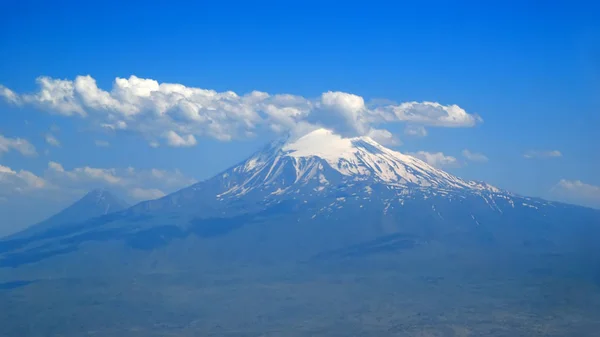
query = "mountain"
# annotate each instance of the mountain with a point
(316, 236)
(95, 203)
(312, 195)
(324, 168)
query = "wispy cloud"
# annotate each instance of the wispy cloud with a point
(51, 140)
(146, 194)
(578, 192)
(102, 143)
(22, 181)
(177, 114)
(9, 95)
(20, 145)
(474, 157)
(542, 154)
(415, 131)
(176, 140)
(436, 159)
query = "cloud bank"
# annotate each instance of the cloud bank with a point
(58, 181)
(578, 192)
(22, 181)
(175, 115)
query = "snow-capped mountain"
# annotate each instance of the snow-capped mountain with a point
(321, 154)
(298, 198)
(322, 165)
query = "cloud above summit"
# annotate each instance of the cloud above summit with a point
(176, 115)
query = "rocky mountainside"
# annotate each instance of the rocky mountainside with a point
(312, 195)
(322, 166)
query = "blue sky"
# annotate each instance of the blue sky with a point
(524, 76)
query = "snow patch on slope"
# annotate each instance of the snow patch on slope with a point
(323, 161)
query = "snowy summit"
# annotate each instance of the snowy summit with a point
(324, 156)
(325, 168)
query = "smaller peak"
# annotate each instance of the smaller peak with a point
(103, 195)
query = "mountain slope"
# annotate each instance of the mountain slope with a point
(302, 197)
(95, 203)
(322, 164)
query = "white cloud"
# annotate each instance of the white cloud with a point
(179, 114)
(54, 166)
(436, 159)
(51, 140)
(83, 174)
(146, 194)
(118, 125)
(415, 131)
(17, 144)
(476, 157)
(351, 108)
(176, 140)
(133, 182)
(384, 137)
(429, 113)
(542, 154)
(347, 103)
(57, 96)
(578, 192)
(21, 181)
(9, 95)
(101, 143)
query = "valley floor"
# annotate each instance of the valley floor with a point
(384, 295)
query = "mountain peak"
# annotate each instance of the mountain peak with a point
(95, 203)
(320, 165)
(102, 196)
(321, 159)
(363, 159)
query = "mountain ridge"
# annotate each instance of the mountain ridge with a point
(317, 194)
(97, 202)
(318, 164)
